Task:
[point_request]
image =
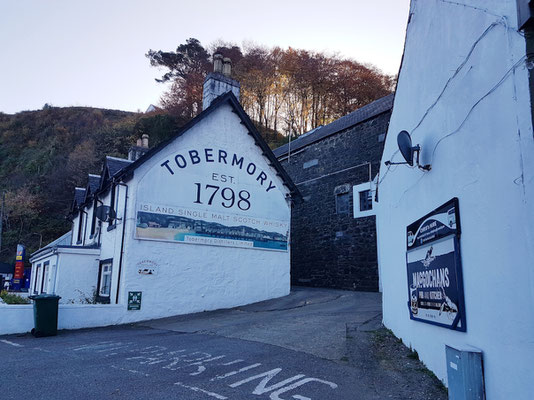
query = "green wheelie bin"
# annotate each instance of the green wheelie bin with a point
(45, 308)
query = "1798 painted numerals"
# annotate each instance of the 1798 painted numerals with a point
(228, 196)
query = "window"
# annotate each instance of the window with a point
(36, 278)
(342, 203)
(366, 200)
(44, 282)
(104, 281)
(363, 195)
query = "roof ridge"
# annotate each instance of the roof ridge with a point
(119, 159)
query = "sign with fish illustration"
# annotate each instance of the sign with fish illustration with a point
(435, 287)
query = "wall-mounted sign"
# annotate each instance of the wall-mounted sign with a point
(435, 286)
(134, 301)
(213, 196)
(178, 224)
(146, 267)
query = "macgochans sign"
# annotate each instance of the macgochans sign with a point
(213, 196)
(435, 286)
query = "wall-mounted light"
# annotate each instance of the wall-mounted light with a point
(408, 151)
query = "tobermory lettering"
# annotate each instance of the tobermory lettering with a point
(212, 156)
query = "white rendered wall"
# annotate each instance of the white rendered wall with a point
(73, 273)
(477, 134)
(190, 277)
(77, 276)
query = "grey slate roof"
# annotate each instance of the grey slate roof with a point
(79, 194)
(79, 197)
(116, 164)
(93, 183)
(360, 115)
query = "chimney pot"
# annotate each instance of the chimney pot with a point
(144, 140)
(139, 143)
(227, 67)
(218, 63)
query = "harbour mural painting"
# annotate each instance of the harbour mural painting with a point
(179, 224)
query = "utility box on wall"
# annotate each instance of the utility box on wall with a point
(465, 373)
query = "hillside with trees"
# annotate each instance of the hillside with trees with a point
(44, 154)
(290, 91)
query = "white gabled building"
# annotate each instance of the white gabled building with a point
(463, 96)
(197, 223)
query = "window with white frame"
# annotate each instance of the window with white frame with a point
(363, 200)
(104, 281)
(37, 279)
(46, 271)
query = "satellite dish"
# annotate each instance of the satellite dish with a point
(404, 141)
(105, 213)
(405, 146)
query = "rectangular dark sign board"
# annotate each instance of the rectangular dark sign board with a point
(435, 285)
(134, 301)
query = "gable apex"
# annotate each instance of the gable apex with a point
(228, 98)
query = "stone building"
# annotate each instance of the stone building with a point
(333, 227)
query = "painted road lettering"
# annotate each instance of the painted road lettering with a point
(197, 364)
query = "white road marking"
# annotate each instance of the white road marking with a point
(201, 368)
(235, 372)
(152, 355)
(11, 343)
(275, 395)
(233, 362)
(262, 387)
(197, 389)
(41, 349)
(93, 346)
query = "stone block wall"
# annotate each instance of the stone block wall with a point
(329, 247)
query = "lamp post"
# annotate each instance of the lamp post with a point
(40, 238)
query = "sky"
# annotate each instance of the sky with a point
(92, 53)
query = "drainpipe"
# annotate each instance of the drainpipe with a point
(122, 241)
(85, 227)
(99, 223)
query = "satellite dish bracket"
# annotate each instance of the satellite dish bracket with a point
(408, 151)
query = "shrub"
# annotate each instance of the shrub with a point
(10, 298)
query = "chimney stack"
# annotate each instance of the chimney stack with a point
(139, 149)
(219, 81)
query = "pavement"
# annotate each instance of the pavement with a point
(309, 320)
(312, 344)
